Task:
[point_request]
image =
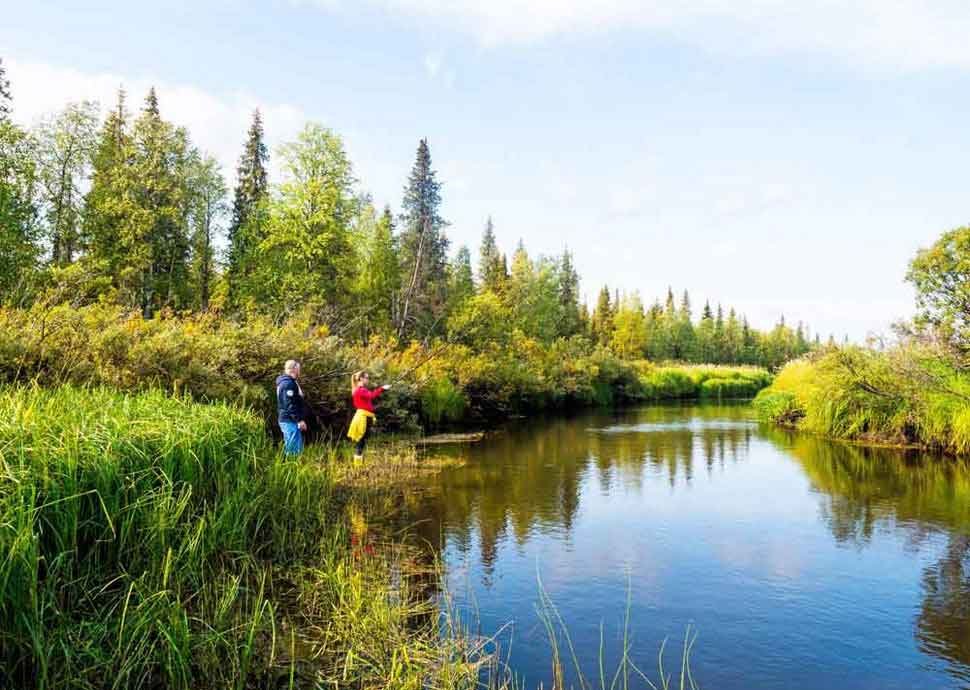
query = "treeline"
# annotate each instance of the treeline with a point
(127, 210)
(668, 332)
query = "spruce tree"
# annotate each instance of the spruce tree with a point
(423, 248)
(704, 336)
(732, 337)
(719, 336)
(602, 318)
(568, 290)
(491, 272)
(461, 283)
(157, 238)
(109, 203)
(247, 226)
(670, 308)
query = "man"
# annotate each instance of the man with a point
(292, 408)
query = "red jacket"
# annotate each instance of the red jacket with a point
(364, 399)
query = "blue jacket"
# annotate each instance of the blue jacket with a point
(289, 400)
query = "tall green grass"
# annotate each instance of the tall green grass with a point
(677, 382)
(151, 542)
(906, 395)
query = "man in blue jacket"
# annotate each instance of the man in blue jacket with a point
(292, 408)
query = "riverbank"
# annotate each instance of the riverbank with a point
(905, 396)
(438, 384)
(156, 542)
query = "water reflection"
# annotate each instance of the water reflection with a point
(872, 583)
(529, 479)
(863, 490)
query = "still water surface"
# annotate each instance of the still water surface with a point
(801, 564)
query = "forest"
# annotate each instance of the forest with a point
(122, 209)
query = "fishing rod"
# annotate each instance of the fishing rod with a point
(432, 355)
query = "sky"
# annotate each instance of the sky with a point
(782, 157)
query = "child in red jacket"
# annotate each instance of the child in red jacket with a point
(364, 416)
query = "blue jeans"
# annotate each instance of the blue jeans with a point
(292, 438)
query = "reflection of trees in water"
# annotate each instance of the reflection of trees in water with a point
(531, 479)
(864, 489)
(943, 626)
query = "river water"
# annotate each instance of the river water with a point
(797, 562)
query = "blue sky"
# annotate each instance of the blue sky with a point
(778, 156)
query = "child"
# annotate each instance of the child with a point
(364, 417)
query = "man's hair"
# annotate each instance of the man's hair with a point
(291, 366)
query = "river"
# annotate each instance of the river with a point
(798, 563)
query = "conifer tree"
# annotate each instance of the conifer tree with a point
(704, 336)
(670, 308)
(156, 240)
(110, 201)
(423, 248)
(683, 341)
(719, 349)
(568, 289)
(492, 274)
(247, 227)
(602, 318)
(732, 336)
(461, 283)
(380, 278)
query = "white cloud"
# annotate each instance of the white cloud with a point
(907, 34)
(217, 122)
(432, 64)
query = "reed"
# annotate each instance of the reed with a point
(904, 396)
(153, 542)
